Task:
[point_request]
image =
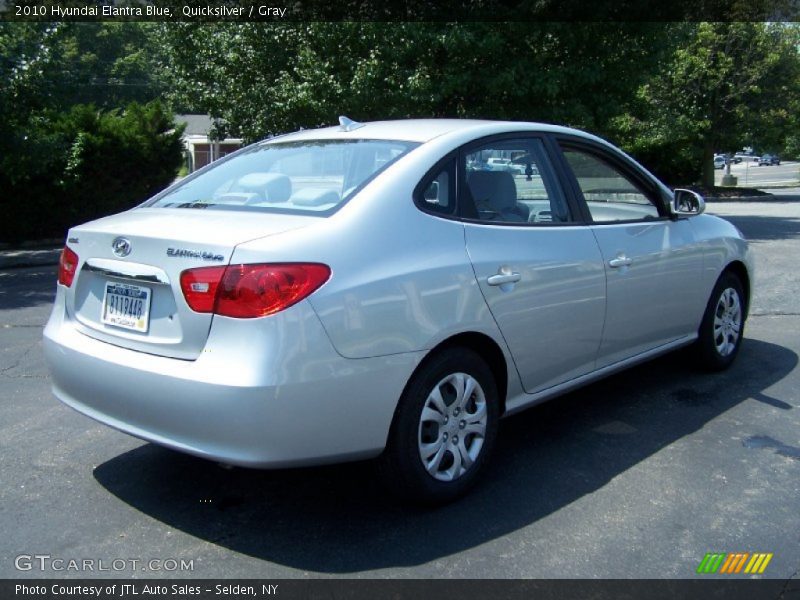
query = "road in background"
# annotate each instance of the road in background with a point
(639, 475)
(752, 176)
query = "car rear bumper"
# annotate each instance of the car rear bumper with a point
(268, 392)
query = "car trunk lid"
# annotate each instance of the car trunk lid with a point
(127, 290)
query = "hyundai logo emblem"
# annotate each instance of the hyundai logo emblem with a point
(121, 246)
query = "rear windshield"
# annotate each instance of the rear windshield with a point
(291, 177)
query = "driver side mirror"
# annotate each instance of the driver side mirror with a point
(687, 203)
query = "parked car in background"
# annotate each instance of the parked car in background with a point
(769, 159)
(719, 161)
(745, 157)
(362, 291)
(504, 164)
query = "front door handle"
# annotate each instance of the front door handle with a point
(503, 277)
(620, 261)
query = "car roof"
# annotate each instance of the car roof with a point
(424, 130)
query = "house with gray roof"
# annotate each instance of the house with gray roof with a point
(201, 148)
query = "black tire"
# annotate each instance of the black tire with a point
(708, 353)
(401, 464)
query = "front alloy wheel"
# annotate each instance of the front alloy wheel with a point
(720, 333)
(727, 322)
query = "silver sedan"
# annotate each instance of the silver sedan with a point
(379, 290)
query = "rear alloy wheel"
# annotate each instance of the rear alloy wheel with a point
(443, 430)
(721, 331)
(452, 427)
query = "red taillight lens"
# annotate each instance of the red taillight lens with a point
(199, 287)
(67, 265)
(248, 291)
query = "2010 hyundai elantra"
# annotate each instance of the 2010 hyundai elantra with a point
(387, 289)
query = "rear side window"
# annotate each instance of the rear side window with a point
(292, 177)
(509, 181)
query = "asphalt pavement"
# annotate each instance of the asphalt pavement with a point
(637, 476)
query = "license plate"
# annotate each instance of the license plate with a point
(126, 306)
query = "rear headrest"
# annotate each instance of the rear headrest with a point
(274, 186)
(495, 187)
(314, 197)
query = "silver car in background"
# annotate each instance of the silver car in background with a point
(374, 290)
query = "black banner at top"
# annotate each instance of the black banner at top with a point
(401, 10)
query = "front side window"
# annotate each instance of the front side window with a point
(290, 177)
(509, 181)
(610, 195)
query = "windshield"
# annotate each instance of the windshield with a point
(291, 177)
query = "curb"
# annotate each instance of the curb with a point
(751, 199)
(47, 243)
(24, 258)
(45, 253)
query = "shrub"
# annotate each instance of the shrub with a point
(84, 163)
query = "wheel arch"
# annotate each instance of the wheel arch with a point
(739, 269)
(485, 347)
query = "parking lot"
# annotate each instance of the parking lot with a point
(749, 174)
(639, 475)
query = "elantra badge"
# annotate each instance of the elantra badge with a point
(183, 252)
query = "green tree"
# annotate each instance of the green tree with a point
(74, 142)
(84, 163)
(263, 79)
(107, 64)
(724, 85)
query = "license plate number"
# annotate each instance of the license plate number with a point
(127, 306)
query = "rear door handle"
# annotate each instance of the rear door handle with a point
(503, 277)
(620, 261)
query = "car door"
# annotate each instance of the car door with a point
(653, 263)
(540, 271)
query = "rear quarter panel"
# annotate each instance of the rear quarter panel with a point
(401, 279)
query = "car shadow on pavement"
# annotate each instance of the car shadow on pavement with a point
(764, 228)
(339, 520)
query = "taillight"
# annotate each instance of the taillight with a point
(67, 265)
(199, 287)
(248, 291)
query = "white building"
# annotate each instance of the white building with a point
(200, 150)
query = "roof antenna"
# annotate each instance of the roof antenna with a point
(346, 124)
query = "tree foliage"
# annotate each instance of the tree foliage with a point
(671, 93)
(72, 144)
(725, 85)
(60, 64)
(75, 143)
(263, 79)
(84, 163)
